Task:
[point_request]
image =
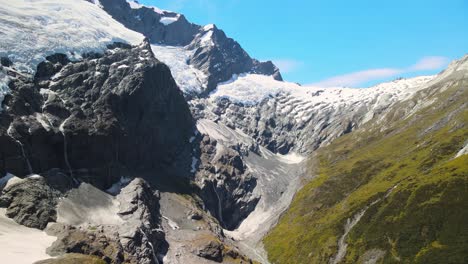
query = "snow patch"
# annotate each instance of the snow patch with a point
(251, 88)
(208, 27)
(168, 20)
(96, 2)
(207, 39)
(136, 5)
(189, 79)
(44, 27)
(20, 244)
(291, 158)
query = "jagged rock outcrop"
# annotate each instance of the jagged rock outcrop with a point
(141, 233)
(97, 118)
(30, 201)
(226, 185)
(221, 57)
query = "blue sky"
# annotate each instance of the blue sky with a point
(346, 43)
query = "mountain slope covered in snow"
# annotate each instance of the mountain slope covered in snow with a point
(32, 30)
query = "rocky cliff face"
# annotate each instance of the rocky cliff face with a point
(97, 119)
(226, 185)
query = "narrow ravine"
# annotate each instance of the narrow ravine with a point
(350, 224)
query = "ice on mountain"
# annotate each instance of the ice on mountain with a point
(188, 78)
(254, 88)
(136, 5)
(207, 39)
(168, 20)
(208, 27)
(32, 30)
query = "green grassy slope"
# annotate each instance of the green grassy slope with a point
(410, 168)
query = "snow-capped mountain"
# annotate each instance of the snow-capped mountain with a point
(149, 139)
(207, 48)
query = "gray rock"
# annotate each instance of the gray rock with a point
(141, 234)
(98, 119)
(30, 202)
(226, 187)
(88, 241)
(212, 250)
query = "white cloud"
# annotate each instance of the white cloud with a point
(356, 79)
(287, 65)
(430, 63)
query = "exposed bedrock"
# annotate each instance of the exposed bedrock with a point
(226, 185)
(97, 119)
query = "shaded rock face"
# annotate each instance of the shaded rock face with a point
(219, 60)
(96, 119)
(30, 202)
(226, 186)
